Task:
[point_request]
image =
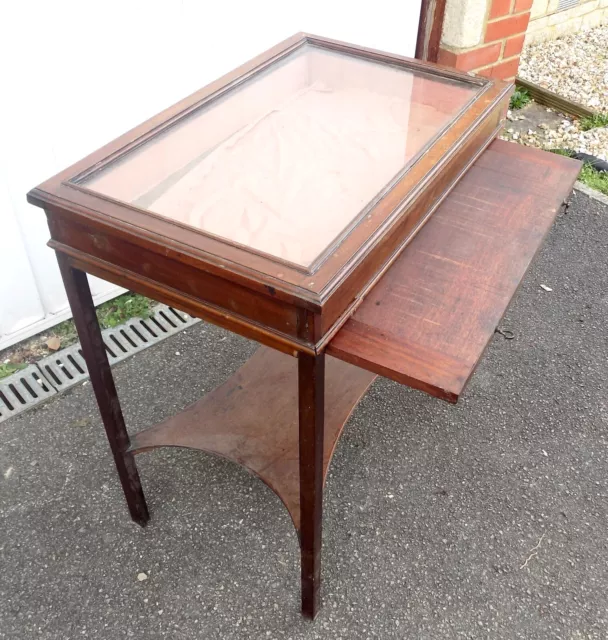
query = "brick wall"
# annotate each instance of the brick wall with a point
(494, 49)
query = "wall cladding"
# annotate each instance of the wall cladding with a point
(554, 18)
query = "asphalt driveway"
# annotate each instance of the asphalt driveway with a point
(484, 520)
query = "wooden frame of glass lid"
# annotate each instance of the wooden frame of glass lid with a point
(271, 200)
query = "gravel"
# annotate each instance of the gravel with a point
(574, 66)
(565, 134)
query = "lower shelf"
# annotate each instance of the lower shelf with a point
(252, 419)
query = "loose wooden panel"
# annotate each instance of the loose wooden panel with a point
(252, 419)
(428, 320)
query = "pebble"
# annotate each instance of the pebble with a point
(575, 66)
(142, 576)
(570, 136)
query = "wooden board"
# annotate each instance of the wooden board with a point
(428, 320)
(252, 419)
(551, 99)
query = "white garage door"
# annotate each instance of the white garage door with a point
(77, 74)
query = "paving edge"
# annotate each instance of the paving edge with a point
(592, 193)
(62, 370)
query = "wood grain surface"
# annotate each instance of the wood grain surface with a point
(252, 419)
(428, 320)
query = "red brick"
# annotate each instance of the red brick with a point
(506, 27)
(502, 70)
(513, 46)
(447, 58)
(522, 5)
(500, 8)
(470, 59)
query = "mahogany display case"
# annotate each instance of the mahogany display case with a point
(322, 199)
(274, 197)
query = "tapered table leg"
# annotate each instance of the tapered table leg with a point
(94, 352)
(311, 391)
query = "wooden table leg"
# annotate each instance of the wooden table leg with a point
(94, 352)
(311, 392)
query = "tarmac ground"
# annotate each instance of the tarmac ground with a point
(487, 519)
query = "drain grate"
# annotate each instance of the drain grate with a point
(23, 390)
(67, 367)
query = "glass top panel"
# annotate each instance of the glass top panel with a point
(289, 160)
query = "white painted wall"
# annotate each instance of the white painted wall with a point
(76, 74)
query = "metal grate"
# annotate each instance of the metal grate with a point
(23, 390)
(67, 367)
(567, 4)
